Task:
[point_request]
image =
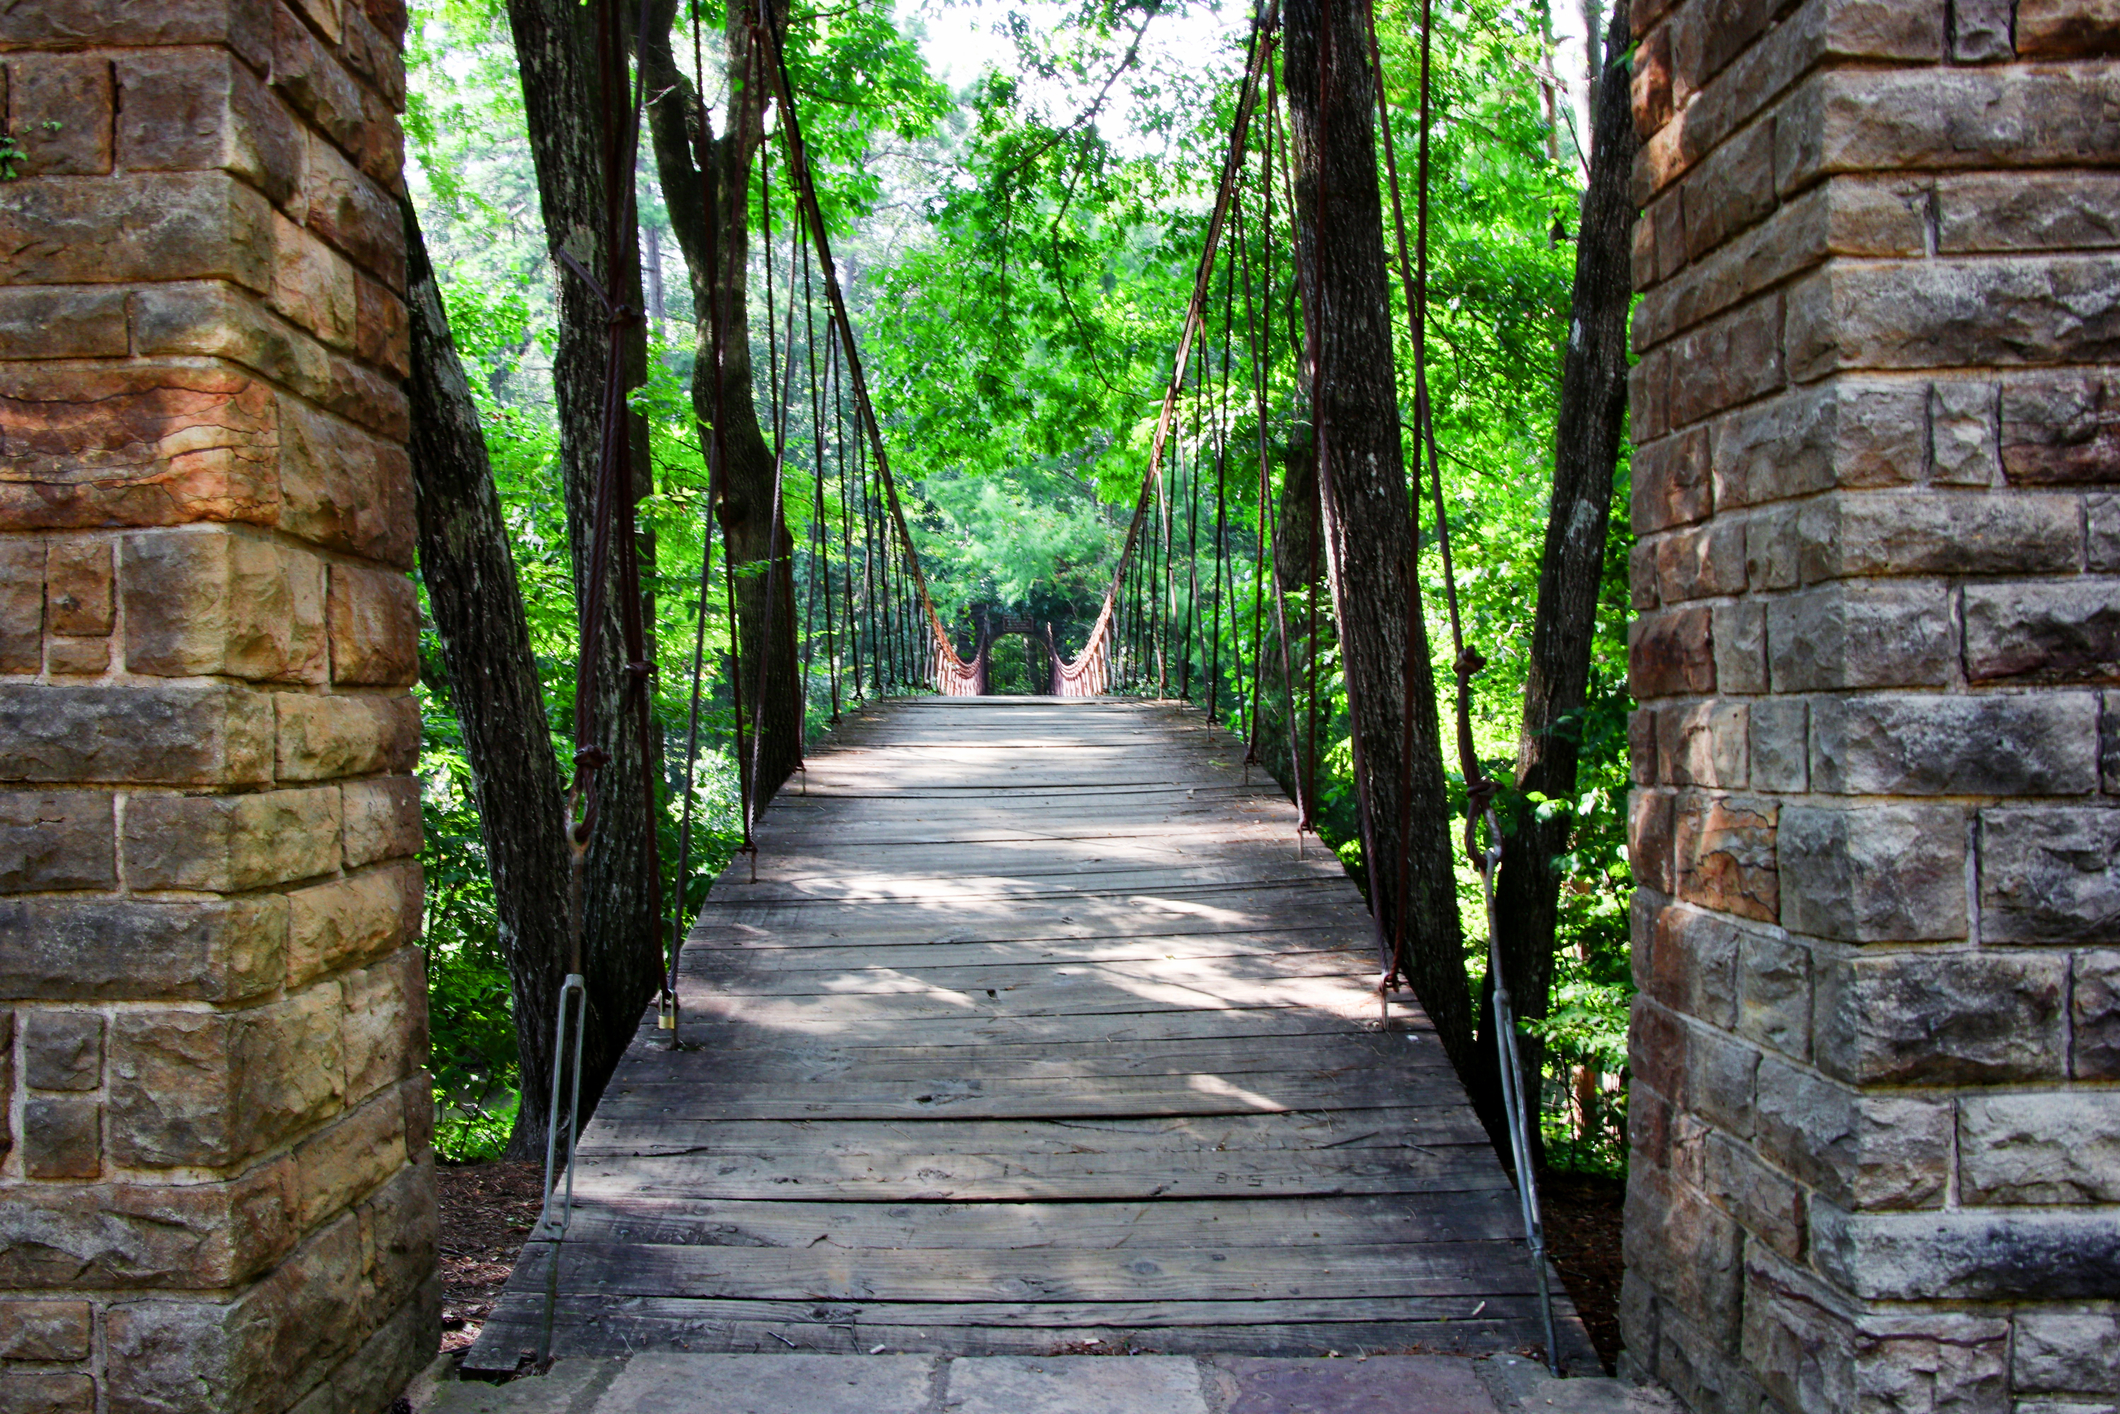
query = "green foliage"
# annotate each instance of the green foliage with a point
(1018, 257)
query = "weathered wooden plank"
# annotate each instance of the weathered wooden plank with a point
(1036, 1027)
(1229, 1223)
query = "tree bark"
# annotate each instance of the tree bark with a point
(703, 177)
(1593, 414)
(1368, 535)
(556, 51)
(494, 686)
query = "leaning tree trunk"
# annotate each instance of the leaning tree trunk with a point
(1368, 535)
(556, 51)
(705, 182)
(469, 572)
(1592, 420)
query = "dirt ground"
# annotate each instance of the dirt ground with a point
(1583, 1233)
(488, 1209)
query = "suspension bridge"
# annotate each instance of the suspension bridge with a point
(1028, 1025)
(1033, 1032)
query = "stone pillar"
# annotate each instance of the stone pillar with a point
(1875, 1125)
(217, 1188)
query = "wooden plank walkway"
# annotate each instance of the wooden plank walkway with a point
(1033, 1033)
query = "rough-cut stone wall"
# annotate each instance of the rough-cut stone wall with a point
(217, 1192)
(1876, 1093)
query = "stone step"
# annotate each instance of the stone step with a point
(675, 1383)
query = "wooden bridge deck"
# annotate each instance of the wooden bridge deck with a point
(1033, 1033)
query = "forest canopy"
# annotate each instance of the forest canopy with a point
(1016, 194)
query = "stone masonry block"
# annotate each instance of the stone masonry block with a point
(243, 25)
(1739, 633)
(62, 1050)
(231, 843)
(1693, 967)
(2051, 1147)
(1774, 548)
(1671, 653)
(48, 1393)
(309, 74)
(1732, 360)
(1980, 31)
(1964, 435)
(176, 734)
(1969, 1254)
(381, 819)
(2057, 1352)
(416, 1096)
(2047, 874)
(351, 921)
(183, 1236)
(1723, 851)
(343, 487)
(313, 285)
(143, 444)
(2061, 428)
(1935, 745)
(1966, 532)
(382, 327)
(385, 1023)
(2095, 1015)
(188, 110)
(78, 586)
(354, 213)
(1649, 828)
(56, 840)
(375, 627)
(1941, 1018)
(77, 657)
(44, 1330)
(43, 322)
(1641, 574)
(378, 60)
(400, 1348)
(1700, 562)
(59, 109)
(1845, 120)
(1862, 1151)
(2043, 631)
(1730, 190)
(1774, 992)
(62, 1137)
(1998, 211)
(254, 1354)
(208, 601)
(145, 226)
(1658, 1049)
(1769, 1205)
(217, 320)
(348, 1159)
(210, 1089)
(21, 605)
(1720, 1082)
(1814, 1349)
(1687, 1249)
(321, 737)
(1702, 744)
(1671, 485)
(2101, 518)
(1862, 633)
(1847, 431)
(66, 949)
(2067, 29)
(2109, 743)
(1954, 313)
(399, 1233)
(1777, 753)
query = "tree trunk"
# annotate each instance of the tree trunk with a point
(705, 182)
(1368, 535)
(556, 50)
(1592, 420)
(469, 572)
